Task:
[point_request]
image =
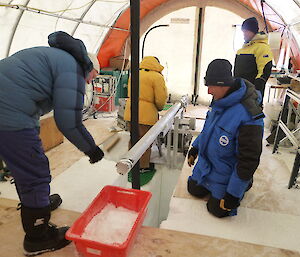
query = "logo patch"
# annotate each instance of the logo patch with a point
(224, 140)
(39, 222)
(266, 56)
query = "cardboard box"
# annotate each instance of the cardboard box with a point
(117, 62)
(295, 85)
(49, 133)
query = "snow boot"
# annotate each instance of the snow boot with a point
(41, 235)
(55, 201)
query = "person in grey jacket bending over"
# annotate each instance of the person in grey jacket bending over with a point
(33, 82)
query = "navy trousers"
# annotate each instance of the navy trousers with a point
(24, 156)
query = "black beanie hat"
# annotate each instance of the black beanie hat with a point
(218, 73)
(250, 24)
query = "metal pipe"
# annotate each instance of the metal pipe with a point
(135, 85)
(169, 138)
(286, 138)
(295, 171)
(198, 55)
(134, 154)
(82, 17)
(175, 141)
(282, 119)
(289, 134)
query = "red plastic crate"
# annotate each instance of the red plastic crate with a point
(135, 200)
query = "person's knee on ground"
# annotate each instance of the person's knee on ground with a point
(213, 207)
(196, 190)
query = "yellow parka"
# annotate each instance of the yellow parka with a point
(254, 61)
(252, 58)
(153, 92)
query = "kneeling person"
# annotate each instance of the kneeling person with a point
(229, 147)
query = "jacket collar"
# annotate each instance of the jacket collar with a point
(231, 99)
(260, 37)
(246, 94)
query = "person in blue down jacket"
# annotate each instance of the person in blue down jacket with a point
(33, 82)
(230, 144)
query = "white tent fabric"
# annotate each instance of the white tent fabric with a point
(289, 11)
(26, 28)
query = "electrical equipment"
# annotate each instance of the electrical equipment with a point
(104, 91)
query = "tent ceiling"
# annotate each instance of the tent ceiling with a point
(87, 20)
(25, 28)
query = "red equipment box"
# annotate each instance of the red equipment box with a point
(132, 199)
(104, 103)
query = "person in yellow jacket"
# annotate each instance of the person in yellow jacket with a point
(254, 60)
(152, 98)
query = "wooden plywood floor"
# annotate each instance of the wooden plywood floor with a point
(151, 242)
(66, 154)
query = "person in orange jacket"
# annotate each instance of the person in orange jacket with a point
(152, 98)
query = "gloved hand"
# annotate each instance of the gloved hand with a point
(260, 84)
(95, 155)
(229, 202)
(192, 156)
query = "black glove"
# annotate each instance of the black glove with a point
(229, 202)
(260, 84)
(214, 207)
(192, 156)
(95, 155)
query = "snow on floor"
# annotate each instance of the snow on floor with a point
(82, 182)
(269, 213)
(270, 188)
(250, 225)
(111, 226)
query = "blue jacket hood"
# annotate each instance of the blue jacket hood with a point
(246, 94)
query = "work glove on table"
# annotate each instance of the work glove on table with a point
(229, 202)
(192, 156)
(95, 155)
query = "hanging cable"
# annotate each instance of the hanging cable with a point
(54, 14)
(55, 27)
(18, 6)
(281, 24)
(263, 13)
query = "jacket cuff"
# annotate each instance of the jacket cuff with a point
(231, 202)
(237, 186)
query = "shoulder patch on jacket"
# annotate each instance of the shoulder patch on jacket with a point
(224, 140)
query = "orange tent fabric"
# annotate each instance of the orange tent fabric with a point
(115, 39)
